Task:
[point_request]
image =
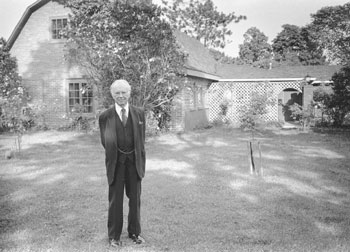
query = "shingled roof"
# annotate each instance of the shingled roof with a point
(320, 73)
(200, 62)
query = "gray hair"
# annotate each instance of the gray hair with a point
(120, 82)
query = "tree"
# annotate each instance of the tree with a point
(313, 53)
(9, 78)
(288, 43)
(201, 20)
(112, 40)
(255, 47)
(295, 46)
(250, 116)
(221, 57)
(331, 29)
(340, 100)
(335, 103)
(12, 94)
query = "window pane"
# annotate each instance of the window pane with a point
(77, 94)
(57, 27)
(53, 27)
(199, 97)
(80, 93)
(86, 101)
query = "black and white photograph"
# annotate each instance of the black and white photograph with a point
(175, 125)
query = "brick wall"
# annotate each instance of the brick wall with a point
(41, 63)
(188, 105)
(45, 72)
(177, 113)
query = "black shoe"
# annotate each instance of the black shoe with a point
(137, 239)
(115, 243)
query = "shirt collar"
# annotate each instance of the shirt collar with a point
(118, 109)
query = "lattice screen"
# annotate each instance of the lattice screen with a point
(239, 94)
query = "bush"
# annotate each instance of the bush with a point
(152, 122)
(224, 107)
(304, 116)
(80, 121)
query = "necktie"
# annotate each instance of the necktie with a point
(124, 118)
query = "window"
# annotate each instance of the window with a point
(57, 28)
(200, 102)
(190, 98)
(80, 97)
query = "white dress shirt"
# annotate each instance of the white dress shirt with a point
(118, 109)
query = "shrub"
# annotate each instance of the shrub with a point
(224, 107)
(152, 122)
(304, 116)
(78, 120)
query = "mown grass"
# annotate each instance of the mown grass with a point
(198, 193)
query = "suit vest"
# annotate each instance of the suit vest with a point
(125, 135)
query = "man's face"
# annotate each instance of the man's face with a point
(121, 94)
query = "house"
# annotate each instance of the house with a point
(55, 84)
(191, 106)
(52, 83)
(287, 84)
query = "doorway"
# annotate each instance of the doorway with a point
(286, 98)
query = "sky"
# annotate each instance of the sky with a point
(266, 15)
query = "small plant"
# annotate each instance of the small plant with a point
(224, 107)
(252, 113)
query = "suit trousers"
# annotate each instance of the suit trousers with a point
(125, 175)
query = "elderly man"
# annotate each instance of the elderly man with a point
(122, 129)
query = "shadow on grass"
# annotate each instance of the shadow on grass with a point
(197, 195)
(218, 203)
(54, 195)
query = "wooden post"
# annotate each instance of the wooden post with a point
(261, 167)
(252, 167)
(251, 157)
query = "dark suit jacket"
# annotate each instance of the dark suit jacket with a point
(107, 123)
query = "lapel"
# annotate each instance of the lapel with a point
(112, 126)
(135, 122)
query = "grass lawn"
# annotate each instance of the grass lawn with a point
(197, 195)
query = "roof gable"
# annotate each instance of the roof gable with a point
(200, 62)
(26, 15)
